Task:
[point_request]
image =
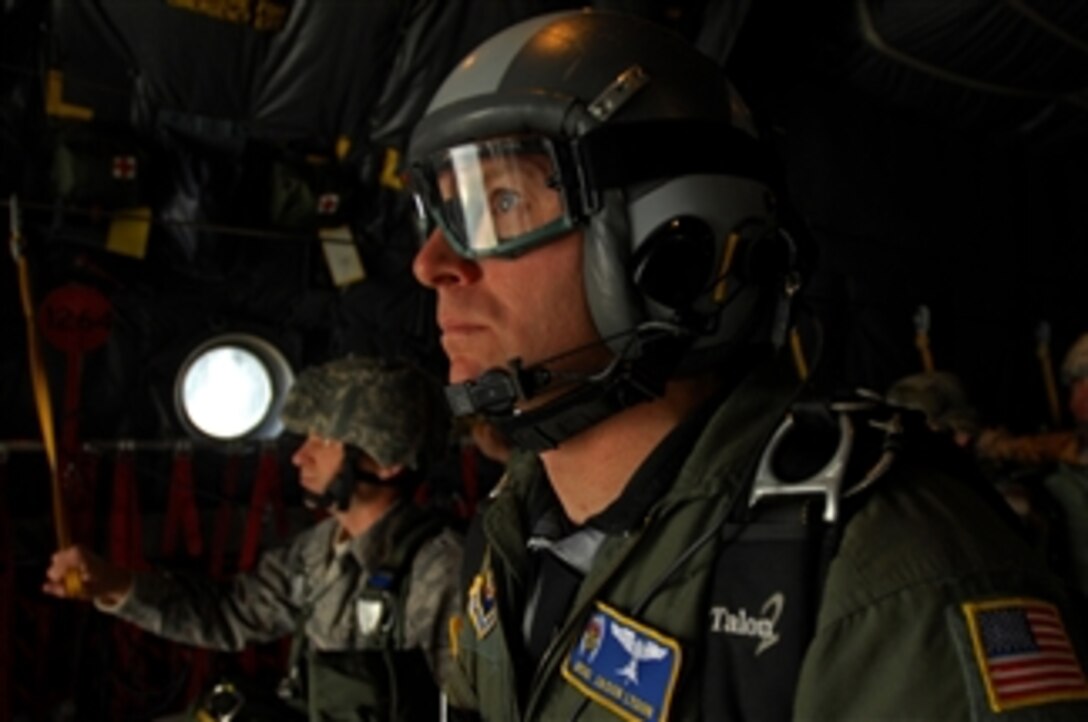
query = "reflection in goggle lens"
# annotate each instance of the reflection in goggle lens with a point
(494, 198)
(424, 224)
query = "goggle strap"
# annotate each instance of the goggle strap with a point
(690, 147)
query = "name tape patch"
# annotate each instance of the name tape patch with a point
(629, 668)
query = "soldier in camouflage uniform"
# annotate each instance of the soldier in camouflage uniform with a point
(366, 592)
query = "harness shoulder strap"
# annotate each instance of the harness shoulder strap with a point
(386, 588)
(775, 553)
(411, 533)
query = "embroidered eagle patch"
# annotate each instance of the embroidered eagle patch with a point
(624, 665)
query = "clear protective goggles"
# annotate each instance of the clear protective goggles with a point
(493, 198)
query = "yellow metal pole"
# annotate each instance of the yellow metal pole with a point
(72, 581)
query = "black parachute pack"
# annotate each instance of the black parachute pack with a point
(818, 468)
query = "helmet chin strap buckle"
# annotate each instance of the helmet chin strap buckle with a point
(496, 391)
(626, 382)
(636, 375)
(337, 495)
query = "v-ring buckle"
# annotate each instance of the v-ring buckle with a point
(827, 482)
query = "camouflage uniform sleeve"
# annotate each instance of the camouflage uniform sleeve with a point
(433, 598)
(257, 606)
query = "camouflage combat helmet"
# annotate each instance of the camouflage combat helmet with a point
(939, 395)
(1075, 365)
(385, 408)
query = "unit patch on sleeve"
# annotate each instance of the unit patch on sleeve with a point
(624, 665)
(482, 611)
(1023, 653)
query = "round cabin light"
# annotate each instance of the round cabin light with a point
(232, 387)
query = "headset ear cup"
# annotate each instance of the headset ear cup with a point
(674, 266)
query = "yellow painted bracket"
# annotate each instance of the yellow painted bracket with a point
(390, 178)
(54, 100)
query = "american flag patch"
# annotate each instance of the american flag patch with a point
(1024, 653)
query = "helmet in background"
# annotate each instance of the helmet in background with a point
(387, 409)
(941, 397)
(654, 156)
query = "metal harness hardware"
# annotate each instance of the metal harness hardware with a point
(828, 481)
(223, 704)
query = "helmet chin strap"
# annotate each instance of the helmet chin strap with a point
(337, 495)
(631, 378)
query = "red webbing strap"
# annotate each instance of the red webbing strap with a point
(201, 661)
(181, 511)
(80, 483)
(270, 458)
(198, 662)
(73, 382)
(267, 492)
(125, 548)
(7, 592)
(126, 531)
(182, 515)
(217, 564)
(78, 469)
(33, 622)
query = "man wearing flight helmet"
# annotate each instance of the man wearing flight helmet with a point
(367, 592)
(613, 281)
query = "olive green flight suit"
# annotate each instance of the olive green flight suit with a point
(892, 638)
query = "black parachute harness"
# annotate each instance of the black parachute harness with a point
(813, 473)
(776, 549)
(378, 606)
(230, 701)
(817, 470)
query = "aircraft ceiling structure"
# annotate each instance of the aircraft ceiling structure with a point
(937, 150)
